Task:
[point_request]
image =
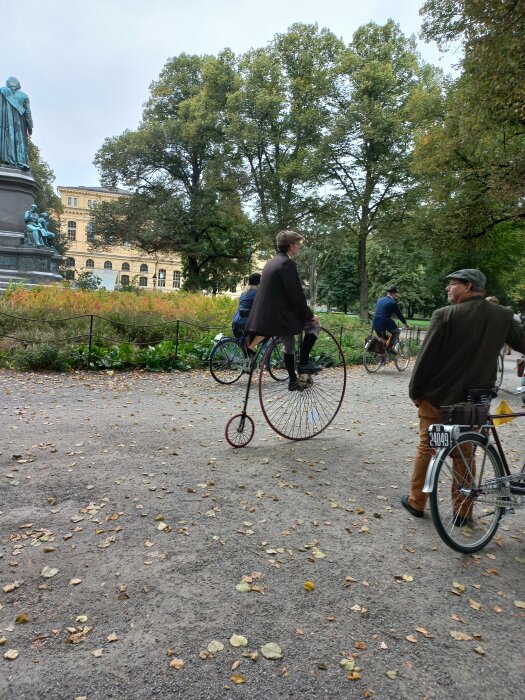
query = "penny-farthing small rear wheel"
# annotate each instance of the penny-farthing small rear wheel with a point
(239, 430)
(300, 415)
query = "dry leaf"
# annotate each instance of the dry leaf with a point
(360, 645)
(353, 676)
(97, 652)
(215, 646)
(11, 586)
(237, 640)
(458, 587)
(22, 619)
(474, 604)
(309, 585)
(75, 581)
(271, 651)
(235, 665)
(460, 636)
(238, 679)
(479, 650)
(112, 637)
(392, 675)
(410, 638)
(177, 663)
(11, 654)
(48, 572)
(519, 603)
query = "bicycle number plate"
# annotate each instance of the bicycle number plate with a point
(438, 437)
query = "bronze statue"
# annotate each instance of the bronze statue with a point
(16, 124)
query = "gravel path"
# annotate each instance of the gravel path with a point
(124, 484)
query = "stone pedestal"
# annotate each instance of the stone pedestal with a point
(20, 262)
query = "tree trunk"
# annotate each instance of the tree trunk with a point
(191, 283)
(363, 274)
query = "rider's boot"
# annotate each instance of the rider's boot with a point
(305, 364)
(293, 383)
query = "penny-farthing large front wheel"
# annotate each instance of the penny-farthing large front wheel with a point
(300, 415)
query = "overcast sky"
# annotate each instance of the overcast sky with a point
(86, 66)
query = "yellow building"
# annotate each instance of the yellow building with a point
(118, 265)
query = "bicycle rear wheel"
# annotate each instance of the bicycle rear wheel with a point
(373, 361)
(468, 498)
(227, 361)
(300, 415)
(402, 358)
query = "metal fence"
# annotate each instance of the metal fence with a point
(87, 331)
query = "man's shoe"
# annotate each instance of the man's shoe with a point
(412, 511)
(296, 385)
(309, 368)
(460, 520)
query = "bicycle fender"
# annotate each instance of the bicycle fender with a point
(430, 476)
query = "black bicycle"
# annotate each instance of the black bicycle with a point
(376, 354)
(470, 483)
(229, 360)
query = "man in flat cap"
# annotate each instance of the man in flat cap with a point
(386, 308)
(459, 353)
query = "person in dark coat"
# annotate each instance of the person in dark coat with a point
(280, 309)
(386, 307)
(245, 305)
(459, 353)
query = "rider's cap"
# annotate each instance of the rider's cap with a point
(392, 289)
(476, 277)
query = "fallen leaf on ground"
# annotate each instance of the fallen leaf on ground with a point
(11, 654)
(479, 650)
(410, 638)
(48, 572)
(460, 636)
(215, 646)
(309, 585)
(22, 619)
(75, 581)
(238, 679)
(97, 652)
(519, 603)
(271, 651)
(474, 604)
(112, 637)
(237, 640)
(392, 675)
(424, 632)
(177, 663)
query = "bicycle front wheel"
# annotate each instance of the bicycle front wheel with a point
(275, 362)
(469, 496)
(227, 361)
(402, 358)
(300, 415)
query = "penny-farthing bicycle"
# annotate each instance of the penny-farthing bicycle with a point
(296, 415)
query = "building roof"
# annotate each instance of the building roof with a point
(106, 190)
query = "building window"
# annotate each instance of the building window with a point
(124, 280)
(90, 232)
(70, 262)
(92, 203)
(71, 230)
(90, 263)
(143, 281)
(72, 201)
(162, 278)
(143, 268)
(70, 274)
(108, 265)
(125, 266)
(176, 280)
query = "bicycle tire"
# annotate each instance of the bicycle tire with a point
(478, 493)
(402, 359)
(373, 361)
(227, 361)
(301, 415)
(239, 430)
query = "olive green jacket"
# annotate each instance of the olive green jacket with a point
(461, 348)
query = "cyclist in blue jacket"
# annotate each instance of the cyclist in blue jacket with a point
(245, 305)
(386, 307)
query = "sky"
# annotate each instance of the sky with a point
(87, 66)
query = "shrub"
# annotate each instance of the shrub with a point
(40, 357)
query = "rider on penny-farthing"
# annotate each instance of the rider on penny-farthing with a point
(280, 309)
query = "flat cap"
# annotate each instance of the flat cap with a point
(475, 277)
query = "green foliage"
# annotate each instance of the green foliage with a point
(338, 284)
(88, 281)
(40, 357)
(46, 198)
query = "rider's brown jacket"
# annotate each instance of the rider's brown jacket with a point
(461, 348)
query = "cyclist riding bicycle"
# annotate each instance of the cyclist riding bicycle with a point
(245, 305)
(386, 307)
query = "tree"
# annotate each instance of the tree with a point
(276, 119)
(88, 281)
(385, 95)
(338, 282)
(179, 168)
(46, 198)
